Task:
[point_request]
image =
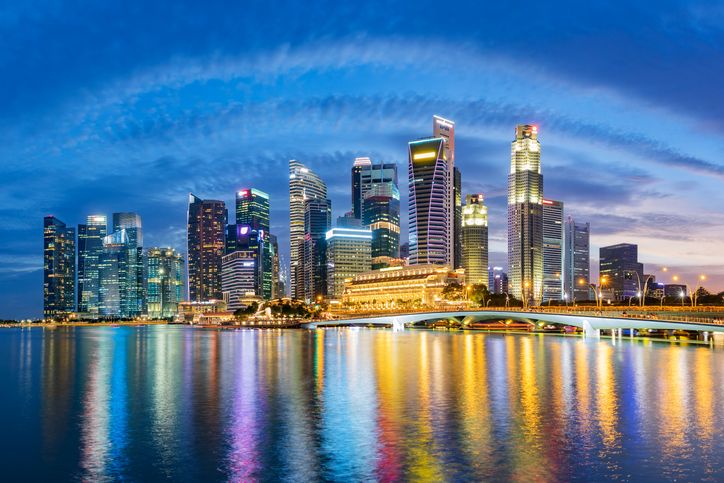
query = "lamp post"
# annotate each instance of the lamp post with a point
(526, 286)
(695, 294)
(642, 293)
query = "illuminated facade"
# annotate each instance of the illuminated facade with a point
(525, 216)
(577, 260)
(206, 223)
(164, 282)
(252, 211)
(58, 268)
(382, 215)
(132, 281)
(552, 250)
(474, 238)
(90, 250)
(618, 266)
(431, 203)
(415, 285)
(348, 254)
(445, 128)
(238, 277)
(252, 208)
(317, 221)
(304, 185)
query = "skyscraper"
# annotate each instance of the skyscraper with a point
(348, 254)
(552, 250)
(239, 276)
(474, 238)
(164, 282)
(445, 129)
(252, 210)
(366, 176)
(525, 215)
(58, 268)
(381, 214)
(132, 288)
(206, 222)
(430, 204)
(304, 185)
(618, 268)
(577, 260)
(90, 249)
(317, 221)
(457, 218)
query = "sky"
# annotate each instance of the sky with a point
(130, 105)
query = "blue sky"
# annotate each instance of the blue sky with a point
(126, 106)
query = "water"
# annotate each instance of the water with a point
(151, 403)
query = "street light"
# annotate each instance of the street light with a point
(642, 293)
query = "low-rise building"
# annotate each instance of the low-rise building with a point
(194, 312)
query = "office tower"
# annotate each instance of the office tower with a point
(474, 238)
(525, 216)
(164, 282)
(457, 218)
(112, 267)
(252, 210)
(430, 205)
(90, 249)
(245, 238)
(304, 185)
(618, 269)
(206, 222)
(277, 289)
(132, 288)
(381, 213)
(552, 250)
(405, 251)
(349, 221)
(238, 277)
(445, 129)
(365, 176)
(348, 254)
(576, 260)
(317, 221)
(58, 268)
(497, 281)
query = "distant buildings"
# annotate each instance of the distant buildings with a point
(304, 185)
(620, 271)
(58, 268)
(381, 213)
(206, 223)
(251, 233)
(576, 260)
(90, 251)
(164, 282)
(474, 238)
(552, 250)
(317, 222)
(525, 215)
(348, 254)
(498, 281)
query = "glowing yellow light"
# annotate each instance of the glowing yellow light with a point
(425, 155)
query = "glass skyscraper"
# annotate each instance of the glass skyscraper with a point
(577, 260)
(525, 216)
(304, 184)
(552, 250)
(317, 221)
(445, 129)
(382, 215)
(164, 282)
(618, 268)
(365, 176)
(132, 289)
(58, 268)
(206, 223)
(474, 238)
(90, 250)
(252, 210)
(348, 254)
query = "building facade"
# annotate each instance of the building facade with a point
(132, 289)
(552, 250)
(304, 185)
(206, 222)
(474, 240)
(381, 213)
(620, 271)
(252, 211)
(577, 260)
(349, 252)
(317, 222)
(238, 277)
(498, 281)
(365, 176)
(58, 268)
(525, 216)
(164, 282)
(90, 250)
(430, 204)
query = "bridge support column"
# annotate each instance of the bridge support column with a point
(589, 331)
(706, 336)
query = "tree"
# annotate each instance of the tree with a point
(452, 291)
(479, 294)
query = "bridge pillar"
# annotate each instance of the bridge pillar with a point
(589, 331)
(397, 325)
(706, 336)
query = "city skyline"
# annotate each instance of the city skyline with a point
(655, 152)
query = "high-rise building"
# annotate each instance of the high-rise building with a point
(349, 221)
(58, 268)
(577, 260)
(445, 129)
(365, 176)
(552, 250)
(525, 216)
(497, 281)
(457, 218)
(277, 284)
(238, 277)
(164, 282)
(618, 266)
(348, 254)
(252, 210)
(90, 250)
(317, 221)
(206, 222)
(381, 214)
(474, 237)
(304, 185)
(431, 203)
(132, 288)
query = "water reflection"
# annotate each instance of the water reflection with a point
(174, 402)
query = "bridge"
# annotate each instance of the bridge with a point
(591, 324)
